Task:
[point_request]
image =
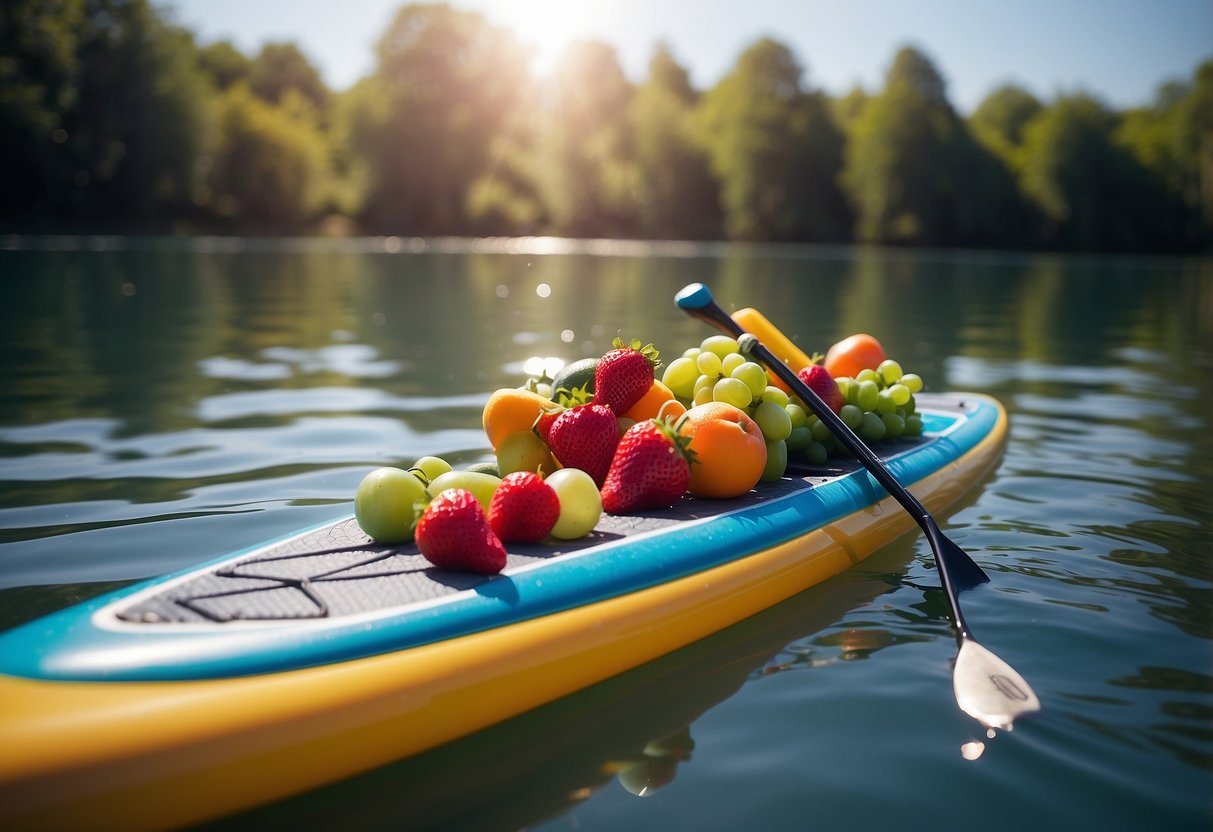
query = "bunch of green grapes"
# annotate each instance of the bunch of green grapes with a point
(878, 404)
(716, 371)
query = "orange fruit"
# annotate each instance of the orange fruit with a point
(510, 410)
(651, 403)
(850, 355)
(730, 453)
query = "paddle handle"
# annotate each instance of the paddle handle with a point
(697, 300)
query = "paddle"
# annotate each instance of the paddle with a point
(986, 687)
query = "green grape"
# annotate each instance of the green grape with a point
(580, 503)
(851, 416)
(913, 425)
(894, 425)
(889, 370)
(800, 438)
(899, 393)
(817, 453)
(680, 377)
(774, 395)
(799, 416)
(871, 428)
(703, 383)
(884, 402)
(702, 395)
(821, 431)
(691, 353)
(848, 387)
(910, 406)
(867, 394)
(708, 363)
(913, 381)
(733, 391)
(720, 345)
(773, 421)
(753, 376)
(731, 362)
(481, 485)
(777, 461)
(868, 375)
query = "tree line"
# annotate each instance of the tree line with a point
(114, 118)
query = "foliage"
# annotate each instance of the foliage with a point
(589, 181)
(775, 149)
(225, 64)
(446, 84)
(272, 170)
(113, 118)
(280, 68)
(679, 198)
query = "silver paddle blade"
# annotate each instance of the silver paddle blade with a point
(990, 690)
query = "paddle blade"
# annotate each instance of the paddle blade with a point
(962, 569)
(990, 690)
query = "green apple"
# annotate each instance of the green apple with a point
(388, 503)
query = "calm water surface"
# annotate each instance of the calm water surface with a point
(165, 402)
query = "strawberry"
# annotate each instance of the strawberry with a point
(453, 533)
(820, 381)
(585, 437)
(524, 508)
(562, 400)
(543, 424)
(624, 375)
(651, 468)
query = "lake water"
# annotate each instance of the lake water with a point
(164, 402)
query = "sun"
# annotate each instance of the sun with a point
(547, 26)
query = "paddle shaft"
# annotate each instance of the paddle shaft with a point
(953, 562)
(986, 687)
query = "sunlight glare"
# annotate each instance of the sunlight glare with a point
(547, 26)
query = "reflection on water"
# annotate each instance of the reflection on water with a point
(165, 402)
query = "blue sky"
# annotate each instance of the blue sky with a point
(1118, 50)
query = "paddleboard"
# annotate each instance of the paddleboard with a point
(313, 658)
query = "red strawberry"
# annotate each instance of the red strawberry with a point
(453, 533)
(585, 437)
(820, 381)
(651, 468)
(562, 400)
(624, 375)
(524, 508)
(543, 424)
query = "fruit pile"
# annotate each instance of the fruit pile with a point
(607, 435)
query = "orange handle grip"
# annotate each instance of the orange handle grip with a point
(751, 320)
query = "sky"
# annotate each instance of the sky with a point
(1121, 51)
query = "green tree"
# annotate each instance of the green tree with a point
(224, 63)
(588, 177)
(775, 149)
(899, 169)
(271, 170)
(679, 196)
(280, 68)
(39, 71)
(1173, 140)
(141, 119)
(1092, 193)
(446, 85)
(999, 120)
